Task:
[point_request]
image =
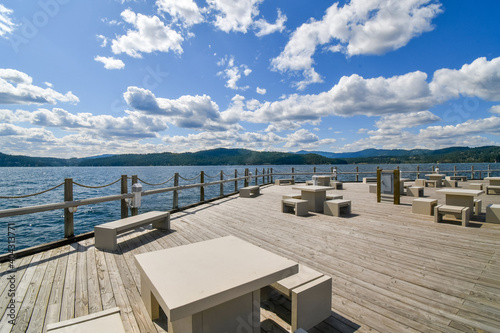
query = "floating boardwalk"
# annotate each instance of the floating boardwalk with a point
(393, 271)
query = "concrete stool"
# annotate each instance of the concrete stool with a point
(461, 213)
(477, 206)
(338, 185)
(333, 197)
(476, 186)
(333, 207)
(423, 206)
(450, 183)
(297, 205)
(493, 213)
(372, 188)
(420, 182)
(103, 321)
(415, 191)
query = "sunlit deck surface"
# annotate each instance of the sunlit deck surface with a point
(393, 271)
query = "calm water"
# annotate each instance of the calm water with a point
(39, 228)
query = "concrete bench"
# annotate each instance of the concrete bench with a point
(494, 188)
(333, 197)
(291, 205)
(333, 207)
(459, 212)
(415, 191)
(310, 293)
(338, 185)
(105, 234)
(461, 178)
(450, 183)
(477, 206)
(476, 186)
(423, 206)
(434, 183)
(103, 321)
(493, 213)
(420, 182)
(284, 182)
(372, 188)
(249, 191)
(369, 179)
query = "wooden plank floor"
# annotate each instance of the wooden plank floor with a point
(393, 271)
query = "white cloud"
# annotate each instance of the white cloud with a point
(233, 72)
(406, 120)
(6, 24)
(261, 91)
(303, 139)
(110, 62)
(195, 112)
(234, 15)
(265, 28)
(103, 39)
(359, 27)
(150, 35)
(481, 79)
(470, 127)
(17, 88)
(495, 109)
(186, 11)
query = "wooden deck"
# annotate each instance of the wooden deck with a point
(392, 271)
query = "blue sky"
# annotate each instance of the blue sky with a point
(80, 78)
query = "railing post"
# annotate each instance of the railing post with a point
(489, 171)
(235, 182)
(175, 203)
(263, 176)
(256, 173)
(314, 170)
(134, 210)
(202, 188)
(69, 228)
(472, 172)
(357, 174)
(418, 172)
(124, 190)
(454, 170)
(293, 176)
(221, 184)
(271, 173)
(336, 173)
(245, 181)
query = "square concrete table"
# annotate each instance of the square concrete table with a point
(495, 181)
(321, 180)
(461, 197)
(438, 177)
(315, 195)
(211, 286)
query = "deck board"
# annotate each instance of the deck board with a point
(392, 270)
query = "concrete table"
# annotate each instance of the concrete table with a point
(438, 177)
(321, 180)
(493, 180)
(211, 286)
(315, 195)
(461, 197)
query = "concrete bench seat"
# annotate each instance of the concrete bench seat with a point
(461, 178)
(477, 206)
(494, 188)
(372, 188)
(249, 191)
(334, 207)
(415, 191)
(369, 180)
(459, 212)
(103, 321)
(476, 186)
(423, 206)
(333, 197)
(338, 185)
(310, 293)
(291, 205)
(420, 182)
(450, 183)
(105, 234)
(284, 182)
(493, 213)
(434, 183)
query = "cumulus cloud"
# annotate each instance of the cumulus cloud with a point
(103, 39)
(470, 127)
(265, 28)
(495, 109)
(234, 15)
(185, 11)
(6, 24)
(480, 79)
(150, 35)
(110, 62)
(359, 27)
(233, 72)
(261, 91)
(195, 112)
(406, 120)
(17, 88)
(303, 139)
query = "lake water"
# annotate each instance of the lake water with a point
(39, 228)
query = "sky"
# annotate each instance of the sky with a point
(85, 78)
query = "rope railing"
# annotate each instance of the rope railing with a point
(32, 194)
(99, 186)
(217, 175)
(150, 184)
(189, 179)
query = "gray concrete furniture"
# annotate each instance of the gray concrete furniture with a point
(450, 183)
(334, 207)
(310, 293)
(420, 182)
(333, 197)
(336, 184)
(477, 206)
(292, 205)
(250, 191)
(460, 197)
(476, 186)
(284, 182)
(493, 186)
(211, 286)
(461, 213)
(460, 178)
(438, 177)
(369, 179)
(415, 191)
(493, 213)
(432, 182)
(100, 322)
(321, 180)
(315, 196)
(423, 206)
(372, 188)
(106, 234)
